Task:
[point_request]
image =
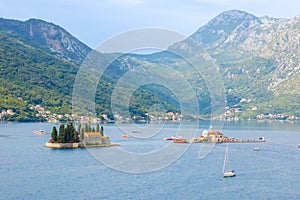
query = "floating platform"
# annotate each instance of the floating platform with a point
(243, 141)
(193, 140)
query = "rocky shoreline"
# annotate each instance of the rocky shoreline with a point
(75, 145)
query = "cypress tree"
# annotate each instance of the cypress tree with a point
(97, 128)
(76, 138)
(73, 134)
(81, 133)
(67, 134)
(93, 129)
(61, 133)
(86, 128)
(61, 129)
(101, 131)
(54, 134)
(79, 128)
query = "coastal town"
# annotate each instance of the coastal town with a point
(232, 113)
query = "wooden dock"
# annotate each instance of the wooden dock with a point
(229, 140)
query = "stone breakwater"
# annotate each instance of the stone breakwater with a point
(64, 145)
(75, 145)
(243, 141)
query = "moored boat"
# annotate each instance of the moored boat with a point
(256, 149)
(180, 140)
(39, 132)
(226, 172)
(170, 138)
(125, 136)
(136, 131)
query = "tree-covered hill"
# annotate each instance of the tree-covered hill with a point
(257, 59)
(32, 76)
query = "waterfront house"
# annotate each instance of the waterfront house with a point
(95, 138)
(212, 136)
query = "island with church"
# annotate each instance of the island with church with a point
(86, 136)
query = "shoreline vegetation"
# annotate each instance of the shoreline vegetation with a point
(287, 121)
(85, 136)
(43, 115)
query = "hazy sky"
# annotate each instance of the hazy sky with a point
(94, 21)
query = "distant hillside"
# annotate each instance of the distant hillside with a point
(258, 59)
(31, 75)
(47, 36)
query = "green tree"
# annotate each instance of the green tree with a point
(79, 127)
(73, 133)
(76, 137)
(67, 133)
(86, 128)
(61, 133)
(70, 132)
(97, 128)
(81, 133)
(54, 134)
(101, 131)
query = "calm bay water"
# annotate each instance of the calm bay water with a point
(30, 171)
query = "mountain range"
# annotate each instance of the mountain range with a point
(256, 57)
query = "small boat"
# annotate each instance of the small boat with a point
(170, 138)
(125, 136)
(256, 149)
(226, 171)
(180, 140)
(136, 131)
(39, 132)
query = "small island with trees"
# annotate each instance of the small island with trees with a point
(86, 136)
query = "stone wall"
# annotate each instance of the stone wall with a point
(63, 145)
